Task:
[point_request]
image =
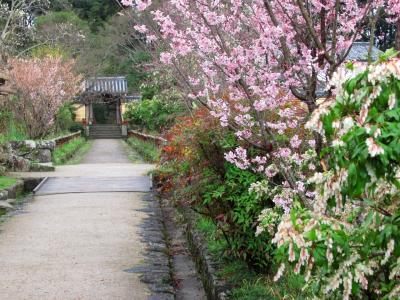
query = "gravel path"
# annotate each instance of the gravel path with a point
(79, 245)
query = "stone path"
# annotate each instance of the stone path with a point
(73, 242)
(106, 151)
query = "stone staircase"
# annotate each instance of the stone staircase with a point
(105, 132)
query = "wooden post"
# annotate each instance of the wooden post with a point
(397, 38)
(118, 104)
(91, 116)
(87, 113)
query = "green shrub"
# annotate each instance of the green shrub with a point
(152, 114)
(13, 131)
(347, 245)
(76, 127)
(228, 199)
(149, 151)
(210, 185)
(4, 120)
(65, 117)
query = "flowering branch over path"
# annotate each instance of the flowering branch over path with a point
(258, 66)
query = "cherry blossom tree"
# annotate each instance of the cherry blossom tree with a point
(259, 67)
(42, 86)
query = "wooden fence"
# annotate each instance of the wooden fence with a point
(66, 138)
(159, 141)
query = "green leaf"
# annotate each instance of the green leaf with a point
(311, 235)
(389, 54)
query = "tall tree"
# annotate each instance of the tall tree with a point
(62, 29)
(95, 12)
(15, 20)
(114, 50)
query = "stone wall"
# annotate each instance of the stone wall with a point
(31, 155)
(21, 155)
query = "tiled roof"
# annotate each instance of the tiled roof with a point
(359, 52)
(110, 85)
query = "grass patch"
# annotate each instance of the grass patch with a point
(149, 151)
(70, 152)
(216, 245)
(6, 182)
(132, 154)
(13, 133)
(246, 284)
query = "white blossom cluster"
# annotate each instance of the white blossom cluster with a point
(337, 210)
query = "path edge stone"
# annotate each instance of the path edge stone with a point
(157, 271)
(23, 185)
(215, 288)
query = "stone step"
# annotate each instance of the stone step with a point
(105, 134)
(105, 126)
(105, 131)
(104, 138)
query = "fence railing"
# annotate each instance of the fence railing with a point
(159, 141)
(66, 138)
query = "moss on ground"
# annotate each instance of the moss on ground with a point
(6, 182)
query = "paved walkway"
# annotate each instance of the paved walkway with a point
(77, 245)
(107, 151)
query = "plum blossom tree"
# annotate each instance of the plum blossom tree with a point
(42, 86)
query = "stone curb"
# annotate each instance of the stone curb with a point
(216, 289)
(40, 185)
(16, 189)
(42, 167)
(3, 195)
(156, 272)
(11, 193)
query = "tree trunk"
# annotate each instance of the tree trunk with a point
(397, 40)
